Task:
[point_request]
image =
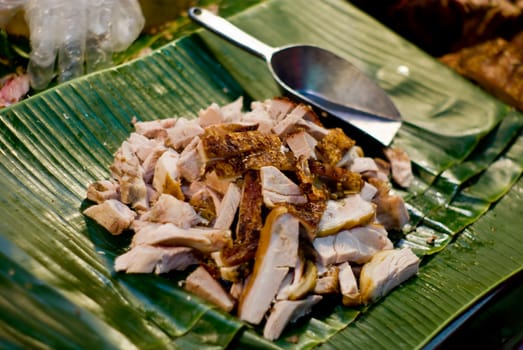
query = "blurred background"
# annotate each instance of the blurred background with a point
(480, 39)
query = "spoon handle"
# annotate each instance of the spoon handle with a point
(228, 31)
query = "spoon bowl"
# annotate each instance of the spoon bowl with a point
(317, 77)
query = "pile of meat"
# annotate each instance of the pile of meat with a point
(269, 209)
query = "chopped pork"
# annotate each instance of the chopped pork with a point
(203, 239)
(112, 214)
(302, 144)
(276, 210)
(103, 190)
(348, 285)
(345, 213)
(157, 259)
(168, 209)
(228, 207)
(385, 271)
(400, 166)
(201, 283)
(277, 252)
(278, 188)
(287, 311)
(183, 132)
(166, 178)
(210, 116)
(190, 165)
(357, 245)
(127, 170)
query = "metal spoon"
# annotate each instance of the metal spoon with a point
(317, 77)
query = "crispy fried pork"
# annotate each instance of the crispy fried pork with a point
(272, 206)
(250, 222)
(334, 145)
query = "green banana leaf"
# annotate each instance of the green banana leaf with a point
(58, 288)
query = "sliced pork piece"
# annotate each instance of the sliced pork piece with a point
(288, 123)
(391, 212)
(112, 214)
(147, 259)
(359, 244)
(149, 164)
(302, 144)
(278, 188)
(201, 283)
(228, 207)
(204, 239)
(210, 116)
(278, 108)
(169, 209)
(277, 252)
(232, 112)
(315, 130)
(348, 286)
(285, 312)
(260, 116)
(385, 271)
(346, 213)
(363, 164)
(100, 191)
(302, 281)
(400, 165)
(166, 177)
(368, 191)
(353, 153)
(182, 133)
(190, 164)
(154, 129)
(324, 247)
(126, 169)
(141, 145)
(328, 281)
(250, 222)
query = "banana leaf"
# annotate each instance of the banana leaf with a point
(59, 289)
